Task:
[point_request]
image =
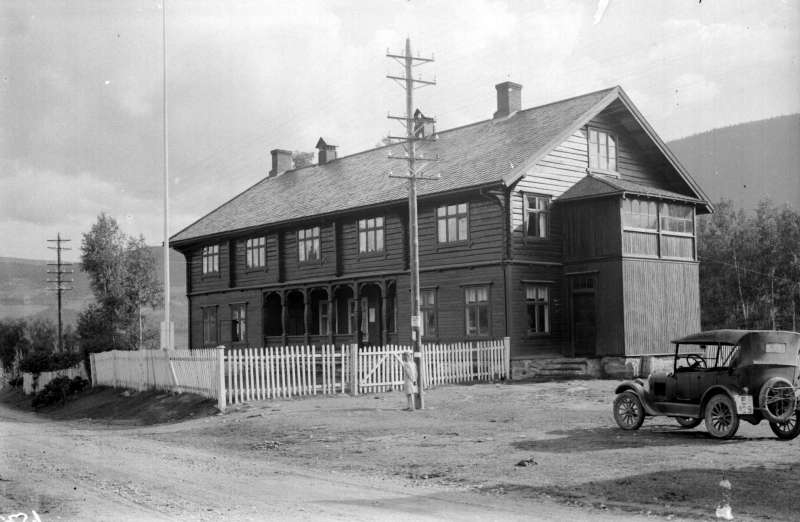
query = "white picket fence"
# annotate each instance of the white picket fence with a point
(246, 374)
(31, 382)
(285, 371)
(194, 371)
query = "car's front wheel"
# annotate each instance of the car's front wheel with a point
(722, 421)
(688, 422)
(788, 429)
(628, 410)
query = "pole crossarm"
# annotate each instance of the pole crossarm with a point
(413, 80)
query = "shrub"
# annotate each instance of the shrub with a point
(16, 382)
(48, 362)
(57, 391)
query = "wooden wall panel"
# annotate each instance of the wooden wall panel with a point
(662, 302)
(591, 229)
(293, 269)
(394, 249)
(523, 344)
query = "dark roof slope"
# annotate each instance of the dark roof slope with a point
(473, 155)
(594, 186)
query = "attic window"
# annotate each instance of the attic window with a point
(602, 150)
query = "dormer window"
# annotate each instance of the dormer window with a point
(602, 150)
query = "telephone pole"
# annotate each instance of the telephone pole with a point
(60, 282)
(409, 83)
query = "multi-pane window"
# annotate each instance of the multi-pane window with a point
(602, 150)
(256, 252)
(308, 244)
(427, 307)
(370, 235)
(210, 335)
(210, 259)
(476, 303)
(238, 322)
(537, 304)
(677, 218)
(639, 213)
(452, 223)
(537, 216)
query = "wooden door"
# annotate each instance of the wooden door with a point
(584, 327)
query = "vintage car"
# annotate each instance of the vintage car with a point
(722, 377)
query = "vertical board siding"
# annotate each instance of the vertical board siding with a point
(662, 302)
(591, 229)
(195, 371)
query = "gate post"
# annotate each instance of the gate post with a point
(507, 356)
(221, 376)
(355, 383)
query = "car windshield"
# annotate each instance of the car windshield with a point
(699, 356)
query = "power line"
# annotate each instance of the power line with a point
(60, 281)
(415, 124)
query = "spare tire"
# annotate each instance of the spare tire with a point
(777, 399)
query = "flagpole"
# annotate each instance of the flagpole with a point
(166, 330)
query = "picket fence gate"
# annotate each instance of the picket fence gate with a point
(239, 375)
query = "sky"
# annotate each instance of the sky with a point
(82, 88)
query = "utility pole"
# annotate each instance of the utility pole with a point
(409, 146)
(60, 281)
(167, 330)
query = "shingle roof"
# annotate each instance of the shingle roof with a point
(594, 186)
(470, 156)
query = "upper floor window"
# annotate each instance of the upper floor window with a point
(238, 322)
(370, 235)
(210, 335)
(308, 244)
(602, 150)
(476, 302)
(256, 252)
(677, 218)
(639, 213)
(452, 223)
(537, 216)
(211, 259)
(537, 303)
(427, 307)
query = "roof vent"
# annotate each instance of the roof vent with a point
(325, 153)
(281, 162)
(509, 99)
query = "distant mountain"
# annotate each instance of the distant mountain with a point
(24, 294)
(747, 162)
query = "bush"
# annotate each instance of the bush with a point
(58, 390)
(16, 382)
(49, 362)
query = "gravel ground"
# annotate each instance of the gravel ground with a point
(513, 446)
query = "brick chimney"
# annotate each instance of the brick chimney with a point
(325, 153)
(509, 99)
(281, 162)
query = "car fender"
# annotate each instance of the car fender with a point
(640, 388)
(714, 390)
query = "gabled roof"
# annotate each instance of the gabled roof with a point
(491, 152)
(597, 186)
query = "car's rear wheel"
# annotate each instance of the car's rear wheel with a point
(688, 422)
(722, 421)
(628, 411)
(777, 399)
(788, 429)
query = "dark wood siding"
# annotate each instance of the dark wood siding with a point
(486, 218)
(591, 229)
(223, 302)
(209, 282)
(326, 266)
(392, 256)
(662, 302)
(523, 344)
(533, 249)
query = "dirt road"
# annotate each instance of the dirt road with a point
(546, 451)
(78, 471)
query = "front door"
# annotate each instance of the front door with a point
(371, 327)
(584, 326)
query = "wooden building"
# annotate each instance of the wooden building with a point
(568, 227)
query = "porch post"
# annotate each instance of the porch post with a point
(357, 296)
(306, 313)
(329, 319)
(284, 316)
(384, 315)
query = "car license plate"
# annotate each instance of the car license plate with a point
(744, 404)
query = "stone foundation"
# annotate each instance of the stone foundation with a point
(590, 367)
